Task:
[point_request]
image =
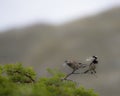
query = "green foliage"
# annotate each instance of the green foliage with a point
(16, 80)
(17, 73)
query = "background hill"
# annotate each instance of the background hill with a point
(44, 46)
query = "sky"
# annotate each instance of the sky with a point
(14, 13)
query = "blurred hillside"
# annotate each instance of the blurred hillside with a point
(44, 46)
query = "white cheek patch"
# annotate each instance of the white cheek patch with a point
(89, 59)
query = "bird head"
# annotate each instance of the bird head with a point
(91, 58)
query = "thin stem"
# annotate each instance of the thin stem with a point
(71, 74)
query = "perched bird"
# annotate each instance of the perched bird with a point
(92, 66)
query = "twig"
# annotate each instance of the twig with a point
(26, 75)
(69, 74)
(73, 72)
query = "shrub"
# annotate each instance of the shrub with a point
(16, 80)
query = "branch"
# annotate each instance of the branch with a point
(73, 72)
(69, 74)
(26, 76)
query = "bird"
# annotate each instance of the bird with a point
(92, 66)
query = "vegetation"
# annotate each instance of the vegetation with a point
(16, 80)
